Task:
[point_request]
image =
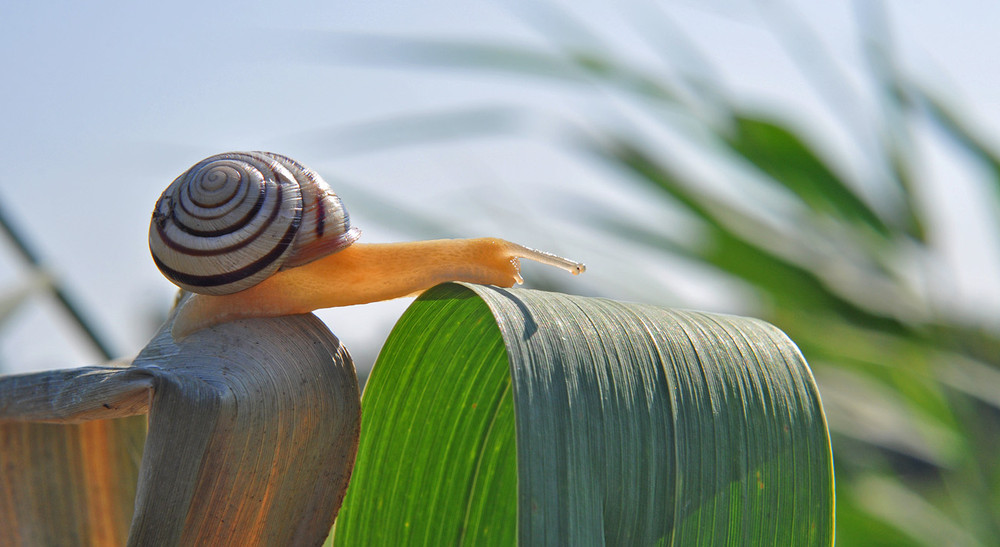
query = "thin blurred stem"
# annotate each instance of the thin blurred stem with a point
(30, 257)
(890, 152)
(594, 57)
(898, 145)
(815, 62)
(700, 76)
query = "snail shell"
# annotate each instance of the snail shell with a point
(233, 219)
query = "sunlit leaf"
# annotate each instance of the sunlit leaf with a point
(634, 424)
(438, 462)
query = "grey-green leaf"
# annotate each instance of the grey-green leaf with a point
(253, 427)
(633, 425)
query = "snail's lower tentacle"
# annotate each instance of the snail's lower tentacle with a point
(549, 259)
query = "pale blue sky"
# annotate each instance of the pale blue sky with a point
(104, 103)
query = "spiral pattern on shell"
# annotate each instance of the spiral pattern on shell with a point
(233, 219)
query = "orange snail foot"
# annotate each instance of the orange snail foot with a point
(363, 273)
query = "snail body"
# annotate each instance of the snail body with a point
(256, 234)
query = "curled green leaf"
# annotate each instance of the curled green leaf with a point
(633, 424)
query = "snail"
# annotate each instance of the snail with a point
(257, 234)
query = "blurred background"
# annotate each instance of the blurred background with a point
(829, 167)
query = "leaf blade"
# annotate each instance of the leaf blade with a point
(693, 359)
(467, 484)
(608, 423)
(69, 484)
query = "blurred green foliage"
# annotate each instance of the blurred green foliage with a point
(912, 393)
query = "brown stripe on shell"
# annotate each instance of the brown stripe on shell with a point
(172, 244)
(246, 249)
(219, 283)
(219, 209)
(326, 226)
(200, 175)
(243, 221)
(317, 225)
(320, 220)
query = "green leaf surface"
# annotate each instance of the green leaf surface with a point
(495, 414)
(438, 465)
